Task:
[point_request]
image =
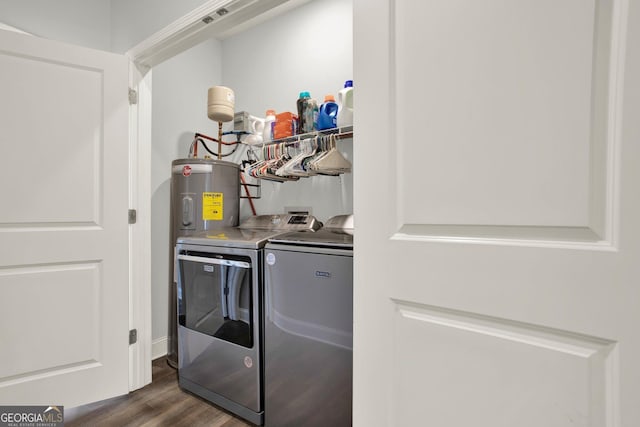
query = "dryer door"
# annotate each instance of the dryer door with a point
(214, 296)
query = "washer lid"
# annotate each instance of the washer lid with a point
(324, 237)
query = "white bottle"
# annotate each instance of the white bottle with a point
(256, 127)
(269, 122)
(345, 105)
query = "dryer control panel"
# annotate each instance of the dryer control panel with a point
(284, 222)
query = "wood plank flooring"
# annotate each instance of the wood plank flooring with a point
(161, 403)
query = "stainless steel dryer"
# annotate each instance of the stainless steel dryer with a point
(220, 311)
(309, 326)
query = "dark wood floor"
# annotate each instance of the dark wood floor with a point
(161, 403)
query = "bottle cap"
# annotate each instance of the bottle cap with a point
(329, 98)
(270, 113)
(305, 95)
(348, 83)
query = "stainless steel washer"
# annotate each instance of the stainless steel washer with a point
(309, 326)
(220, 312)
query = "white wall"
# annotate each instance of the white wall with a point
(111, 25)
(179, 108)
(308, 49)
(82, 22)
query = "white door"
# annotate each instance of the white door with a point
(64, 308)
(497, 262)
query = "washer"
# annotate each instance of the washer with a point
(309, 326)
(220, 311)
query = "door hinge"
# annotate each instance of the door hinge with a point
(133, 336)
(133, 96)
(133, 216)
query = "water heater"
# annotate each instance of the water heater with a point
(205, 195)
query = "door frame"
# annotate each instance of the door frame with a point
(140, 355)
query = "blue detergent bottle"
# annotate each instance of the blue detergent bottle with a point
(328, 113)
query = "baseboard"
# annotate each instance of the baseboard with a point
(158, 348)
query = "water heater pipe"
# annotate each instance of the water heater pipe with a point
(246, 190)
(219, 140)
(210, 138)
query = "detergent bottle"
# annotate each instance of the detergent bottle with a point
(307, 112)
(328, 113)
(345, 105)
(269, 122)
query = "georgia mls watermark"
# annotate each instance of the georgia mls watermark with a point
(32, 416)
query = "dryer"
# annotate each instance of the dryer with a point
(220, 311)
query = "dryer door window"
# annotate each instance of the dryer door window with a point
(214, 296)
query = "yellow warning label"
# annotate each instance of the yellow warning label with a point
(212, 206)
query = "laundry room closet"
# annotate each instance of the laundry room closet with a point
(308, 48)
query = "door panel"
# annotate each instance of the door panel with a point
(501, 142)
(511, 370)
(51, 108)
(520, 108)
(63, 226)
(46, 287)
